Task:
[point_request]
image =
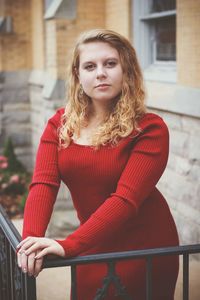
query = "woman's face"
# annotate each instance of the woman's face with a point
(100, 71)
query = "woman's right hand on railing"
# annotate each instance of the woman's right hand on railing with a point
(29, 264)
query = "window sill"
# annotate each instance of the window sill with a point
(161, 72)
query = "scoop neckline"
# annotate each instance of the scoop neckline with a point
(81, 145)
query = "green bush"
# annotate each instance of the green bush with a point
(14, 178)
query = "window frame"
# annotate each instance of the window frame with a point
(142, 33)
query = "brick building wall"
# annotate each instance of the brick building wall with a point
(118, 16)
(15, 65)
(37, 32)
(188, 42)
(16, 46)
(46, 44)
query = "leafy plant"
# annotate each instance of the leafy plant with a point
(14, 179)
(14, 164)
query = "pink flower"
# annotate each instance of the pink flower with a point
(3, 162)
(14, 178)
(4, 185)
(3, 165)
(3, 158)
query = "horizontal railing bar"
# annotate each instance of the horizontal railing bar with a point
(134, 254)
(9, 229)
(14, 238)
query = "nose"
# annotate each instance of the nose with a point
(100, 72)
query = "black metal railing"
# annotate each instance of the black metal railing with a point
(15, 285)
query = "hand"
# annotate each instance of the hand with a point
(32, 251)
(29, 263)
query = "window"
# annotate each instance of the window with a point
(154, 32)
(60, 9)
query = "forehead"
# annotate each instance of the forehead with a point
(96, 50)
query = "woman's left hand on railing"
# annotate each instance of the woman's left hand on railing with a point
(32, 251)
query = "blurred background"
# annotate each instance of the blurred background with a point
(35, 39)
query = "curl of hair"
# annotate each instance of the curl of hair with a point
(124, 116)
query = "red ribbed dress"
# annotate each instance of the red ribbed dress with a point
(117, 202)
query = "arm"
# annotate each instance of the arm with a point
(45, 182)
(144, 168)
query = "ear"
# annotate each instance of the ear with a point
(76, 72)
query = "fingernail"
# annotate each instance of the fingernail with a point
(24, 270)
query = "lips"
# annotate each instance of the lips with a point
(102, 85)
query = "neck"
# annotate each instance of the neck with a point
(99, 111)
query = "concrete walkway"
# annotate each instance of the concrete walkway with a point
(55, 283)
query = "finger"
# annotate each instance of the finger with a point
(19, 260)
(22, 242)
(27, 245)
(24, 260)
(31, 264)
(38, 265)
(34, 247)
(43, 252)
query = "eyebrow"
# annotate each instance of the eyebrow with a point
(91, 62)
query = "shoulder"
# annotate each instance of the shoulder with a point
(56, 118)
(150, 121)
(50, 132)
(152, 126)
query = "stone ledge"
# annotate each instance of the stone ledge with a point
(174, 98)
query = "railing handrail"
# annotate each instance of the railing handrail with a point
(9, 229)
(28, 284)
(116, 256)
(14, 238)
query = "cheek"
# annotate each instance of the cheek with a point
(119, 80)
(86, 81)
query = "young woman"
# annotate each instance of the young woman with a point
(110, 153)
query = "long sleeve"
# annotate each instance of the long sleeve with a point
(45, 182)
(144, 168)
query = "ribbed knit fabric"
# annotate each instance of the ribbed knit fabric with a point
(118, 205)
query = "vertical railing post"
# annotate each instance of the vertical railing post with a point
(3, 264)
(149, 278)
(73, 283)
(8, 285)
(185, 276)
(30, 288)
(11, 273)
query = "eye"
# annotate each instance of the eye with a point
(89, 67)
(111, 63)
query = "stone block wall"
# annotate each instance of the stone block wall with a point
(15, 114)
(180, 182)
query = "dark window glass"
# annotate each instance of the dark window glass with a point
(165, 39)
(163, 5)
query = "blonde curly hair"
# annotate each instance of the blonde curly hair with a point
(125, 113)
